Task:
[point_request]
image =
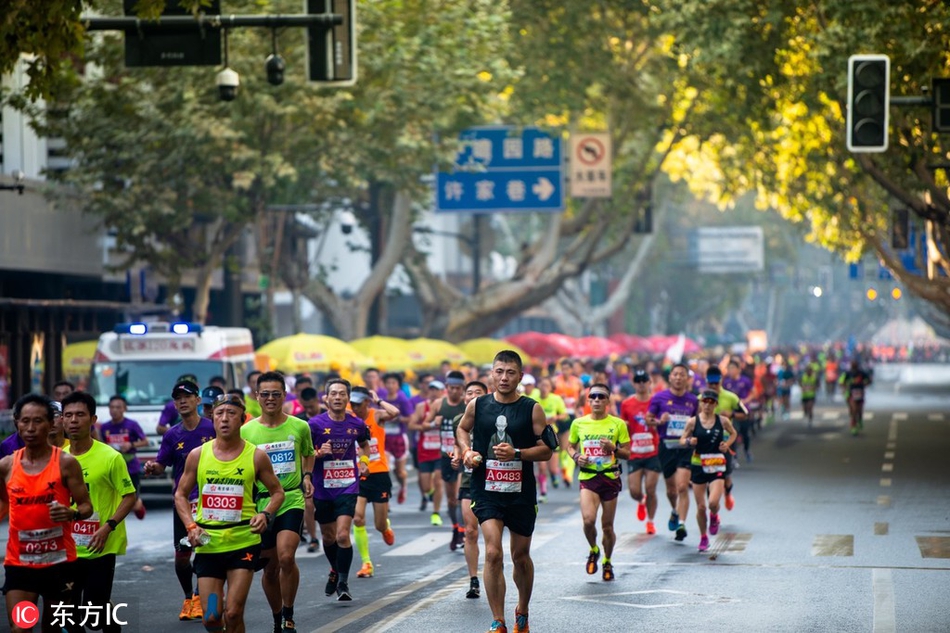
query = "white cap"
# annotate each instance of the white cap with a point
(528, 379)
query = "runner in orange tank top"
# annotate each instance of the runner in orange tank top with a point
(40, 483)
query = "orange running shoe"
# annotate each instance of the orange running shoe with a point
(498, 626)
(185, 610)
(592, 562)
(730, 502)
(521, 622)
(402, 495)
(389, 537)
(651, 529)
(366, 571)
(197, 613)
(641, 510)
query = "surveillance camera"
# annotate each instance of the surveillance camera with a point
(347, 222)
(227, 81)
(274, 65)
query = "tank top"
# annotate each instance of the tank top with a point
(429, 448)
(494, 481)
(377, 445)
(706, 453)
(226, 500)
(35, 539)
(448, 413)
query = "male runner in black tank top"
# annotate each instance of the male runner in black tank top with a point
(506, 433)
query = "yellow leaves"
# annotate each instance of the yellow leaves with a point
(242, 180)
(555, 120)
(484, 76)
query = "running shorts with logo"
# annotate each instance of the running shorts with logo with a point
(376, 487)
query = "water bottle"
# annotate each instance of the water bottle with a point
(204, 539)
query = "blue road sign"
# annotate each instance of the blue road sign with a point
(503, 169)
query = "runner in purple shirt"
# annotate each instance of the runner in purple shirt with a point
(668, 412)
(192, 432)
(125, 436)
(11, 445)
(342, 455)
(397, 441)
(736, 382)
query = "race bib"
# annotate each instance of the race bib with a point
(676, 425)
(503, 476)
(42, 547)
(641, 443)
(283, 456)
(220, 502)
(392, 429)
(374, 450)
(448, 442)
(83, 530)
(713, 463)
(116, 440)
(431, 441)
(857, 393)
(338, 473)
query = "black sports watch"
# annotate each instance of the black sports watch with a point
(517, 453)
(112, 523)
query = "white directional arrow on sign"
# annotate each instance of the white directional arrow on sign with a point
(543, 189)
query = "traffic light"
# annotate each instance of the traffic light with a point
(331, 53)
(868, 101)
(941, 104)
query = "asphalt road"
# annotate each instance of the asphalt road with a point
(830, 533)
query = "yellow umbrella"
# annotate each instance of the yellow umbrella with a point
(77, 358)
(390, 354)
(482, 350)
(312, 352)
(429, 352)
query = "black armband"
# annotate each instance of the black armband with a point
(549, 437)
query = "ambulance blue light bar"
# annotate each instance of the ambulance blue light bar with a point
(139, 329)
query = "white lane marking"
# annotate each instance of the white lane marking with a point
(887, 468)
(868, 415)
(797, 415)
(885, 483)
(889, 455)
(829, 415)
(882, 585)
(891, 446)
(681, 598)
(935, 417)
(899, 416)
(434, 598)
(426, 543)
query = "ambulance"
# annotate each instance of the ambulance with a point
(142, 361)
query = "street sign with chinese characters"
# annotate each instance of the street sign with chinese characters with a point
(503, 169)
(591, 166)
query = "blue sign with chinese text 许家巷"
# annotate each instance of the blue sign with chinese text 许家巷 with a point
(503, 169)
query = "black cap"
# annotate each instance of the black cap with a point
(710, 394)
(208, 394)
(641, 376)
(185, 385)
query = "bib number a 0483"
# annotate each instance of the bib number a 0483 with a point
(503, 476)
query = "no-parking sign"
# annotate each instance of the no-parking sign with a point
(591, 166)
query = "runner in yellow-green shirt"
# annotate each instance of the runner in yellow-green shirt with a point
(288, 443)
(226, 532)
(101, 537)
(556, 413)
(597, 442)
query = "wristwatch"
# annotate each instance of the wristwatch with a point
(112, 523)
(517, 453)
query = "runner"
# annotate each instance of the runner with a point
(169, 416)
(443, 413)
(40, 483)
(336, 434)
(312, 407)
(831, 376)
(177, 443)
(668, 412)
(644, 464)
(705, 434)
(569, 387)
(250, 394)
(287, 442)
(785, 378)
(98, 539)
(508, 433)
(730, 406)
(376, 486)
(556, 414)
(809, 383)
(473, 389)
(855, 381)
(598, 441)
(226, 530)
(126, 436)
(397, 441)
(429, 449)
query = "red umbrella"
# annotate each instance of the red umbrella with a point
(546, 346)
(632, 344)
(597, 347)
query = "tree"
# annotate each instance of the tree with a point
(772, 84)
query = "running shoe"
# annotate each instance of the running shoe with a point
(641, 511)
(436, 519)
(422, 506)
(680, 533)
(651, 529)
(288, 626)
(703, 543)
(140, 512)
(474, 591)
(366, 571)
(714, 524)
(313, 546)
(730, 501)
(185, 610)
(674, 522)
(592, 562)
(542, 498)
(196, 613)
(389, 537)
(608, 572)
(332, 581)
(521, 622)
(343, 593)
(402, 495)
(554, 481)
(454, 543)
(497, 626)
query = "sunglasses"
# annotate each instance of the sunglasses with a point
(228, 398)
(267, 395)
(598, 396)
(644, 379)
